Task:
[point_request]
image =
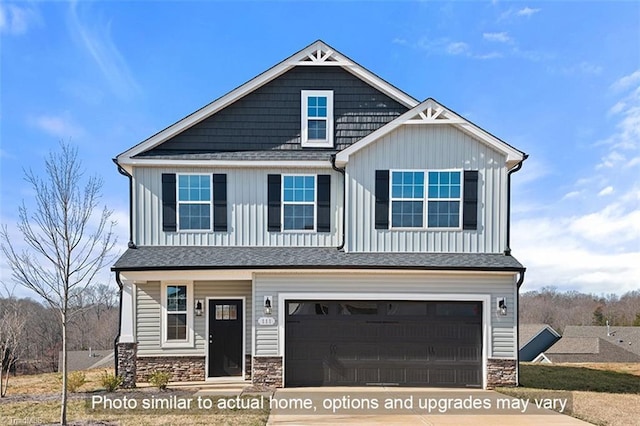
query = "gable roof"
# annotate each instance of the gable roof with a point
(431, 112)
(316, 54)
(625, 337)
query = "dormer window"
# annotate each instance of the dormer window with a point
(317, 118)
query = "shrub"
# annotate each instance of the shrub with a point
(110, 381)
(76, 380)
(160, 379)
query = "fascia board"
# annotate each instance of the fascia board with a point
(138, 162)
(259, 81)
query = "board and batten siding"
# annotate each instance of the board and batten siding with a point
(501, 329)
(246, 210)
(427, 147)
(148, 311)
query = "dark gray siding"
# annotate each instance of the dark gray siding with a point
(269, 117)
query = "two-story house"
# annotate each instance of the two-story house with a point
(318, 226)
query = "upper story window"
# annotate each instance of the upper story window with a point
(299, 202)
(407, 199)
(443, 199)
(443, 204)
(317, 118)
(194, 202)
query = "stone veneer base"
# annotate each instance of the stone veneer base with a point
(182, 368)
(127, 364)
(267, 371)
(501, 372)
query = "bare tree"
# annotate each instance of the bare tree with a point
(67, 242)
(12, 338)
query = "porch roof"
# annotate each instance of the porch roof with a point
(206, 257)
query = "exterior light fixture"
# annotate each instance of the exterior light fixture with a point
(267, 305)
(502, 306)
(199, 308)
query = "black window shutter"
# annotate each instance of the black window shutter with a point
(382, 199)
(220, 202)
(470, 200)
(169, 202)
(324, 203)
(273, 209)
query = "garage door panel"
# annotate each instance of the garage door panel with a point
(364, 342)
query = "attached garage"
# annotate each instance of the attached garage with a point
(394, 343)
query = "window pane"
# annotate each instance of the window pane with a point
(444, 185)
(358, 308)
(176, 326)
(298, 216)
(406, 308)
(406, 214)
(195, 216)
(308, 308)
(444, 214)
(317, 129)
(176, 298)
(194, 188)
(409, 185)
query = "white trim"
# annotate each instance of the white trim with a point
(189, 342)
(150, 162)
(244, 336)
(305, 142)
(128, 313)
(299, 58)
(513, 156)
(445, 297)
(542, 358)
(315, 203)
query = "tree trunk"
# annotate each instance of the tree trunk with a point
(63, 408)
(2, 389)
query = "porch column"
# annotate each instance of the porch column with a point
(127, 313)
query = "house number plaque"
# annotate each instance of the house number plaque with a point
(266, 321)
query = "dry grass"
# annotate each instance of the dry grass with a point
(34, 400)
(602, 393)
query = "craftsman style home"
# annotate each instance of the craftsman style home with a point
(318, 226)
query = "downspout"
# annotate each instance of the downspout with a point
(507, 250)
(123, 172)
(518, 284)
(115, 341)
(344, 198)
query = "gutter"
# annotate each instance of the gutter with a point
(123, 172)
(115, 341)
(344, 199)
(507, 250)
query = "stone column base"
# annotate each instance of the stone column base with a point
(267, 371)
(501, 372)
(127, 364)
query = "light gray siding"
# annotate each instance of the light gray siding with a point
(426, 147)
(246, 210)
(501, 329)
(148, 311)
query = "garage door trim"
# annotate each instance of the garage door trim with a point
(439, 297)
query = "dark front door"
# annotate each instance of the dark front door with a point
(225, 337)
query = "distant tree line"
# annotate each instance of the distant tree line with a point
(30, 332)
(559, 309)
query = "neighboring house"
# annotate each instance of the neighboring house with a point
(535, 339)
(318, 226)
(595, 344)
(87, 360)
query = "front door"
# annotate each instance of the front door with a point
(225, 337)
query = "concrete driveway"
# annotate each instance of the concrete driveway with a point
(413, 406)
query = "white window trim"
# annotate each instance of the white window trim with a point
(304, 132)
(425, 201)
(189, 341)
(315, 203)
(178, 202)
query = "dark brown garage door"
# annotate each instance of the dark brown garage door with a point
(404, 343)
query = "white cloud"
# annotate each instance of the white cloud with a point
(572, 194)
(95, 37)
(457, 48)
(60, 126)
(527, 11)
(15, 20)
(627, 81)
(502, 37)
(606, 191)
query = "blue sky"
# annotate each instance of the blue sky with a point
(558, 80)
